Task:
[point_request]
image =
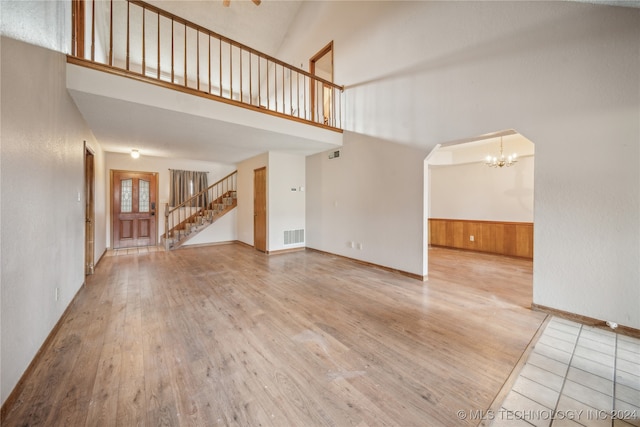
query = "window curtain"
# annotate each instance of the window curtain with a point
(186, 184)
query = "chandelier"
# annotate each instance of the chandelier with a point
(500, 161)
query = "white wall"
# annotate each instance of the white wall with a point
(42, 227)
(286, 207)
(563, 73)
(371, 195)
(39, 22)
(161, 165)
(475, 191)
(245, 197)
(225, 229)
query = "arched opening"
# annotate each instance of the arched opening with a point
(483, 213)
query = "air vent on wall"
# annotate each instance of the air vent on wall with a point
(293, 236)
(334, 154)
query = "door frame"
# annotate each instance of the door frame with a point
(89, 210)
(312, 70)
(255, 216)
(111, 173)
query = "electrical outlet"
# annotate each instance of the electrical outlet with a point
(350, 245)
(359, 246)
(472, 238)
(57, 293)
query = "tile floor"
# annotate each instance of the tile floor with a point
(575, 376)
(134, 251)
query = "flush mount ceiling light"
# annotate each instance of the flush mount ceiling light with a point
(501, 160)
(135, 153)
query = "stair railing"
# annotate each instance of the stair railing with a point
(178, 219)
(142, 41)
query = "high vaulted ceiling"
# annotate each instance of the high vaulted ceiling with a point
(265, 28)
(261, 27)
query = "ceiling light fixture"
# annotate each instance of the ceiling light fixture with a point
(498, 162)
(226, 3)
(135, 153)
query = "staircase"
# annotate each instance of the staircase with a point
(186, 220)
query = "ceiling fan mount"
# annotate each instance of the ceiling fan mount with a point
(227, 3)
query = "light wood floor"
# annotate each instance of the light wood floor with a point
(225, 335)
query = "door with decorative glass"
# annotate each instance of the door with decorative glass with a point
(133, 208)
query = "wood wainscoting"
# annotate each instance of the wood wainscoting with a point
(504, 238)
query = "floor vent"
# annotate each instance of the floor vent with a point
(293, 236)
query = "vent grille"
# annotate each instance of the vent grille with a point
(293, 236)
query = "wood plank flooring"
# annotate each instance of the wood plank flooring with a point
(226, 335)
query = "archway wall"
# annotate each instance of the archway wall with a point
(564, 74)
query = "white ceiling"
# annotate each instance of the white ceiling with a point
(120, 126)
(262, 27)
(621, 3)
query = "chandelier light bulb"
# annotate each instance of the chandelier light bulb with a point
(498, 162)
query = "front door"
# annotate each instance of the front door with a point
(134, 208)
(260, 209)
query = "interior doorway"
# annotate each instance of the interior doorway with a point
(473, 203)
(321, 65)
(89, 211)
(260, 209)
(133, 202)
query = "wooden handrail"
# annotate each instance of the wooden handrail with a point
(178, 216)
(194, 54)
(196, 196)
(244, 47)
(136, 76)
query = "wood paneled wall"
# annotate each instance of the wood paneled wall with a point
(504, 238)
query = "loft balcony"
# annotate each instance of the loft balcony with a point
(131, 60)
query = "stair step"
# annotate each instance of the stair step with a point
(202, 219)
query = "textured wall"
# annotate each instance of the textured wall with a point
(42, 216)
(371, 195)
(39, 22)
(286, 207)
(475, 191)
